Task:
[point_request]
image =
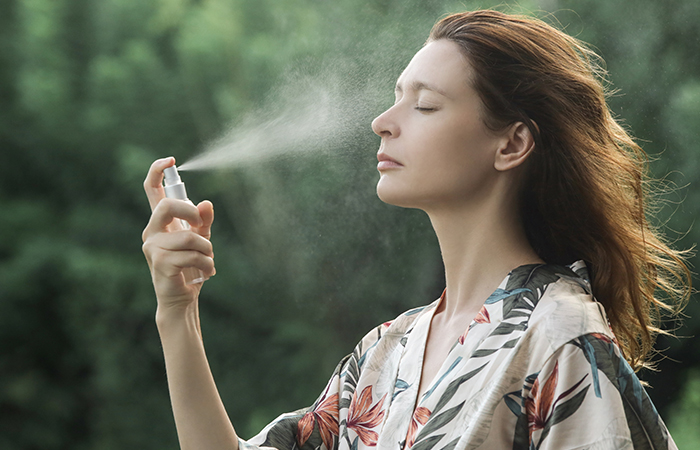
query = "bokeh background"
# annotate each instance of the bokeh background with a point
(308, 259)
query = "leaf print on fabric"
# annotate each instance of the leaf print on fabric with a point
(379, 333)
(352, 370)
(513, 401)
(363, 417)
(541, 406)
(534, 278)
(499, 294)
(645, 425)
(452, 444)
(354, 444)
(283, 434)
(531, 277)
(482, 352)
(580, 269)
(589, 352)
(420, 417)
(602, 337)
(505, 328)
(444, 375)
(326, 416)
(399, 387)
(481, 317)
(428, 444)
(454, 385)
(439, 421)
(414, 311)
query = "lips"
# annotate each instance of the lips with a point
(386, 162)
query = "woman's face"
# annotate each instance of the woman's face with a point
(435, 150)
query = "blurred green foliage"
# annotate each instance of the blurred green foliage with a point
(307, 258)
(684, 416)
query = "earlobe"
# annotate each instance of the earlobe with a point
(518, 143)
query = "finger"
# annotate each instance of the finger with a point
(168, 253)
(153, 184)
(180, 241)
(168, 209)
(206, 213)
(171, 264)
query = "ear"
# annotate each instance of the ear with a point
(518, 143)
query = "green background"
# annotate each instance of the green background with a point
(308, 259)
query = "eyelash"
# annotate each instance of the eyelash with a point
(418, 108)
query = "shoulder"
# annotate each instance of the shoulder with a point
(585, 392)
(577, 374)
(567, 308)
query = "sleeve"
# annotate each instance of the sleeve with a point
(587, 396)
(317, 427)
(306, 428)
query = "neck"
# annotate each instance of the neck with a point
(479, 246)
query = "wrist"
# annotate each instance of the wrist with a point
(176, 316)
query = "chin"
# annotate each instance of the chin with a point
(385, 193)
(393, 196)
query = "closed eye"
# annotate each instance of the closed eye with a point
(425, 109)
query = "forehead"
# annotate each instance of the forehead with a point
(441, 64)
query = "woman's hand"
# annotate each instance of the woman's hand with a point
(200, 416)
(168, 249)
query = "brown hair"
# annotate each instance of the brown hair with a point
(586, 192)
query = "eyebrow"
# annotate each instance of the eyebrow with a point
(420, 85)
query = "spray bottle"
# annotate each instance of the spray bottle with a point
(175, 188)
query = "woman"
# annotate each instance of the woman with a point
(500, 132)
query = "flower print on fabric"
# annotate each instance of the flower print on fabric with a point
(326, 416)
(481, 317)
(363, 417)
(544, 411)
(420, 417)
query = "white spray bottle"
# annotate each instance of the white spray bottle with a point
(175, 188)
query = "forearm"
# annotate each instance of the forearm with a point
(200, 417)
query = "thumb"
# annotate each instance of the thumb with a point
(206, 212)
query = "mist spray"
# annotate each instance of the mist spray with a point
(175, 188)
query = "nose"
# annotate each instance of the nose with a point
(384, 124)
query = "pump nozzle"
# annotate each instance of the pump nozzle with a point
(171, 176)
(174, 187)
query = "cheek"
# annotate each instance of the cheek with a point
(464, 146)
(465, 158)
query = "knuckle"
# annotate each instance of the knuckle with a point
(159, 260)
(155, 258)
(164, 204)
(189, 240)
(164, 210)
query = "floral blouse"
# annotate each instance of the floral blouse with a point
(538, 368)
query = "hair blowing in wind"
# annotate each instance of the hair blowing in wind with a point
(588, 191)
